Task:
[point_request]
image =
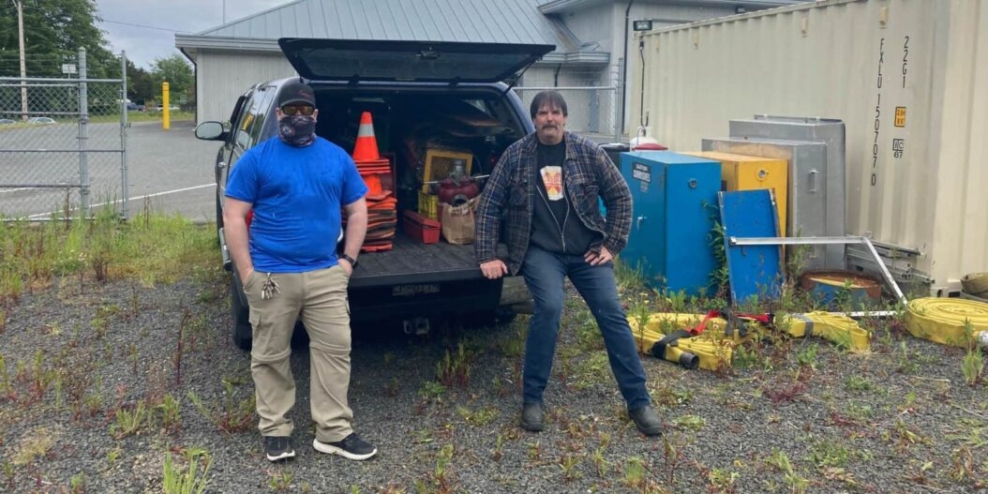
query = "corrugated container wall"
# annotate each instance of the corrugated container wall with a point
(908, 77)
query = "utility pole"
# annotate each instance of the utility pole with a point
(20, 38)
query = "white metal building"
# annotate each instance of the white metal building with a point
(588, 35)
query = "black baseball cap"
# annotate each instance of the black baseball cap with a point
(296, 91)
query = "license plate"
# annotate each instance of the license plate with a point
(414, 290)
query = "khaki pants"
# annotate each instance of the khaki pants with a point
(321, 298)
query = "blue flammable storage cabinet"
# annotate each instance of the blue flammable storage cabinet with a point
(674, 208)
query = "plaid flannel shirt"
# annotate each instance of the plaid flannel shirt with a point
(507, 202)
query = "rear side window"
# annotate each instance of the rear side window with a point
(259, 110)
(252, 121)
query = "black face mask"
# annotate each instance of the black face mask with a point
(297, 130)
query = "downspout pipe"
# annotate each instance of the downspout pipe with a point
(624, 75)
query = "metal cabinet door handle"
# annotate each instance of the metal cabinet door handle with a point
(812, 181)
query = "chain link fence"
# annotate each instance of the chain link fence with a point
(591, 96)
(62, 145)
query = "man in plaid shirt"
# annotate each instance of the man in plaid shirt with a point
(544, 193)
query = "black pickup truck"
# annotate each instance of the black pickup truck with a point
(420, 94)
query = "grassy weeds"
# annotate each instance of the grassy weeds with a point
(153, 248)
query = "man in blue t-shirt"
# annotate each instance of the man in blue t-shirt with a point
(295, 185)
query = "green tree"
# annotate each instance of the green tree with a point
(140, 86)
(177, 71)
(54, 30)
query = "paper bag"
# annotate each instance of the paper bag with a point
(458, 222)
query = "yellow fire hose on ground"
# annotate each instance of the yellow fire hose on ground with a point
(836, 328)
(949, 321)
(695, 341)
(662, 336)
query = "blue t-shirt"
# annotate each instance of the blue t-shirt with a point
(296, 194)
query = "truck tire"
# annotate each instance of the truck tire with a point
(241, 319)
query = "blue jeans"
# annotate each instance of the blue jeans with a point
(544, 273)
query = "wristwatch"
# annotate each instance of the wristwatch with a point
(352, 261)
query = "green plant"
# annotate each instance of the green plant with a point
(973, 366)
(5, 383)
(600, 463)
(478, 417)
(690, 422)
(168, 410)
(432, 390)
(190, 479)
(591, 370)
(8, 473)
(442, 480)
(233, 415)
(77, 483)
(829, 454)
(780, 460)
(498, 452)
(637, 477)
(130, 421)
(722, 481)
(806, 356)
(857, 383)
(719, 277)
(454, 369)
(34, 445)
(907, 362)
(534, 451)
(280, 482)
(568, 464)
(673, 455)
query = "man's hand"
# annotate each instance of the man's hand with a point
(244, 274)
(494, 269)
(595, 259)
(347, 267)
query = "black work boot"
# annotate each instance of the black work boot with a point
(531, 417)
(646, 420)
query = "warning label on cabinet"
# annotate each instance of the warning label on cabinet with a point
(642, 172)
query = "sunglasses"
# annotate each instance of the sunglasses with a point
(291, 110)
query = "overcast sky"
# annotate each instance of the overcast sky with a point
(162, 19)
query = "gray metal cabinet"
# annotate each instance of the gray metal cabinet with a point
(808, 193)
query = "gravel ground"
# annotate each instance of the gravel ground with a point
(800, 416)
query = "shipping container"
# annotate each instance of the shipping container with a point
(909, 78)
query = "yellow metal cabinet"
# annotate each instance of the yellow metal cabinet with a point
(740, 172)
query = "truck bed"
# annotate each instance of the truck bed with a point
(410, 261)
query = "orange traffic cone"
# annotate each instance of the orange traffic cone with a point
(366, 146)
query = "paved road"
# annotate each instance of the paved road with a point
(170, 171)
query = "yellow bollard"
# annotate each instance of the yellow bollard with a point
(165, 114)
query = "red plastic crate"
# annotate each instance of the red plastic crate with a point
(420, 228)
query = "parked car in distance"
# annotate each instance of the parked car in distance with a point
(40, 121)
(6, 121)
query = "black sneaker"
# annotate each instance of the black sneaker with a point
(531, 417)
(278, 448)
(351, 447)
